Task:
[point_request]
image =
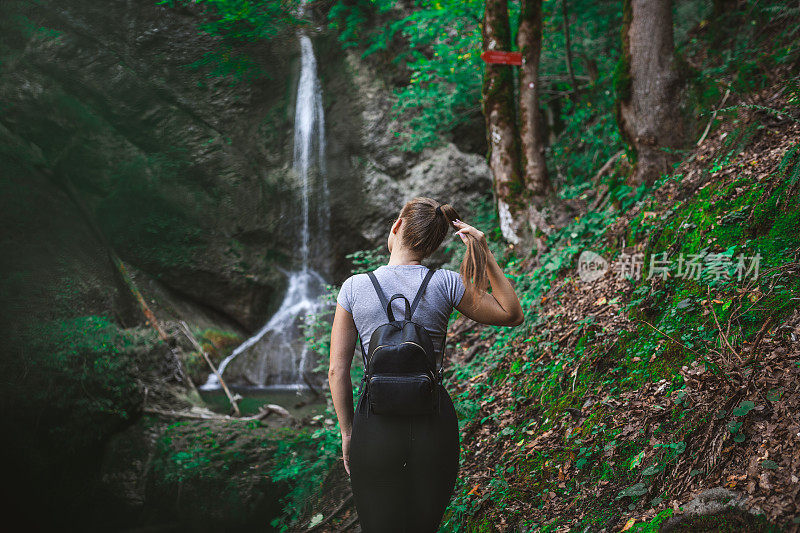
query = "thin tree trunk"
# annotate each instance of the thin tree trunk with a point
(529, 42)
(567, 46)
(649, 88)
(544, 206)
(722, 7)
(501, 129)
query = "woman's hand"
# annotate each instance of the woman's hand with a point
(464, 228)
(346, 451)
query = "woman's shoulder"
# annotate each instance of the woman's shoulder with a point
(451, 285)
(354, 278)
(448, 274)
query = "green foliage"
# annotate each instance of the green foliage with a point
(78, 377)
(302, 462)
(740, 48)
(444, 89)
(366, 260)
(204, 472)
(350, 19)
(439, 44)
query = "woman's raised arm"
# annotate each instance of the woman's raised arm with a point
(501, 307)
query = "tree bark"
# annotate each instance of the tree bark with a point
(567, 45)
(722, 7)
(501, 128)
(529, 42)
(545, 209)
(649, 88)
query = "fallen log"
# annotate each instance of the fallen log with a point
(202, 413)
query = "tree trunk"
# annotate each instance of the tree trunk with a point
(567, 46)
(501, 128)
(545, 210)
(529, 42)
(722, 7)
(649, 88)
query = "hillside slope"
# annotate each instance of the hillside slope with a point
(627, 397)
(621, 399)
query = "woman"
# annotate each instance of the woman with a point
(403, 468)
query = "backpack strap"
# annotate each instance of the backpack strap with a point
(386, 302)
(363, 352)
(420, 291)
(440, 373)
(381, 295)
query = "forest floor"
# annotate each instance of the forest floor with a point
(639, 404)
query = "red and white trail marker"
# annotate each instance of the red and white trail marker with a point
(503, 58)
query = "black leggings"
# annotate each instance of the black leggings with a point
(403, 468)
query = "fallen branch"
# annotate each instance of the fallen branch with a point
(606, 166)
(206, 414)
(719, 328)
(213, 368)
(194, 415)
(713, 116)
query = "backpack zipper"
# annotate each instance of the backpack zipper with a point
(404, 342)
(385, 345)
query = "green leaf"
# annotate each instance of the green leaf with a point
(638, 489)
(739, 438)
(733, 426)
(652, 470)
(744, 408)
(771, 465)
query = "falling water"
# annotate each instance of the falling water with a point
(276, 355)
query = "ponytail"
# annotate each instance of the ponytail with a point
(427, 224)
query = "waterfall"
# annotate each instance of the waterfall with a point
(276, 355)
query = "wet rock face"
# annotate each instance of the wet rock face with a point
(185, 174)
(388, 176)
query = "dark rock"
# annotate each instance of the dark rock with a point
(717, 509)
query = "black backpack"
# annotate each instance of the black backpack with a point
(400, 374)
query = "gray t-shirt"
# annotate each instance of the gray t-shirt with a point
(444, 291)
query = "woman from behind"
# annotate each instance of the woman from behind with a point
(403, 468)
